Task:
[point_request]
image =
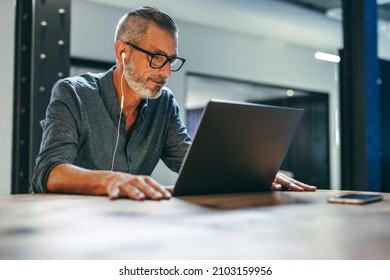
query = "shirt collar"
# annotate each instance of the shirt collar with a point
(108, 94)
(142, 107)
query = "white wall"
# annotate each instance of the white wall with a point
(229, 54)
(7, 23)
(216, 52)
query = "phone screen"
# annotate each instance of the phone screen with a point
(356, 198)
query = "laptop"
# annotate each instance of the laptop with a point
(238, 147)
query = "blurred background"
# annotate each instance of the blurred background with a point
(262, 51)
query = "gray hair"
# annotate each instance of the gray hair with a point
(134, 24)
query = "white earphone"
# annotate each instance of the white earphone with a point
(123, 55)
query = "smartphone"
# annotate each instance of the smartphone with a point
(355, 198)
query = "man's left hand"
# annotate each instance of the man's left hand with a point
(283, 182)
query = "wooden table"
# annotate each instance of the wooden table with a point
(277, 225)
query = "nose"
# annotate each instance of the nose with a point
(165, 71)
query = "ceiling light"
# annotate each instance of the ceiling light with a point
(327, 57)
(382, 2)
(290, 93)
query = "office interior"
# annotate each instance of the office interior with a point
(247, 50)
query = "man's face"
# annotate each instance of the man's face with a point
(146, 81)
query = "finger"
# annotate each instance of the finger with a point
(285, 181)
(114, 192)
(293, 184)
(147, 186)
(132, 192)
(170, 189)
(306, 187)
(276, 187)
(166, 194)
(294, 187)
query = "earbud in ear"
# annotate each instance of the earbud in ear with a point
(123, 55)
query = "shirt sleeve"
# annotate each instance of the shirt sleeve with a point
(60, 134)
(177, 141)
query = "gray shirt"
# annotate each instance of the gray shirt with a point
(81, 128)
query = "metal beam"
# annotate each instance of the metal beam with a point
(22, 81)
(42, 56)
(359, 97)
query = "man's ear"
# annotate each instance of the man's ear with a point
(120, 51)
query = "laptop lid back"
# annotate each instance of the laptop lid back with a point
(237, 148)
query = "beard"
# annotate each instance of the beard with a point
(138, 83)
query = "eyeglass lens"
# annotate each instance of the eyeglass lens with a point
(159, 61)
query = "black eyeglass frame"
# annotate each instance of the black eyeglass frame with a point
(152, 55)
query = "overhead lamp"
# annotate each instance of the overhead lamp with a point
(290, 93)
(327, 57)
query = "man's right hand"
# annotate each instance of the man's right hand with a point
(68, 178)
(135, 187)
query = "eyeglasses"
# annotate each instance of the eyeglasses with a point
(158, 60)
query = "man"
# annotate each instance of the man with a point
(104, 133)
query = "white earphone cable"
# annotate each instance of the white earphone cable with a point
(120, 116)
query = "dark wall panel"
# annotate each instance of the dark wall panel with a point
(359, 98)
(42, 51)
(385, 122)
(308, 156)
